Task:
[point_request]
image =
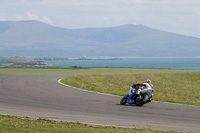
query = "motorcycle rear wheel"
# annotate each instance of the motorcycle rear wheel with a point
(142, 101)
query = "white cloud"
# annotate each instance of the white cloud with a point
(1, 19)
(47, 20)
(18, 17)
(31, 16)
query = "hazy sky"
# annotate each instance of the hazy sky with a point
(177, 16)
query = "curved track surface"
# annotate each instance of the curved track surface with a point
(43, 97)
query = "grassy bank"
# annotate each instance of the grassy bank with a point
(12, 124)
(14, 59)
(86, 71)
(176, 88)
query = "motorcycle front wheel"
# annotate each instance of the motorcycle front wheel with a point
(124, 99)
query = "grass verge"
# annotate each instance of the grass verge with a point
(86, 71)
(176, 88)
(12, 124)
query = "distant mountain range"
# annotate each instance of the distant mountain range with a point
(37, 39)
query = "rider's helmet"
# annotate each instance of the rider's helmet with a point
(148, 81)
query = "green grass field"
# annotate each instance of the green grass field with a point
(12, 124)
(86, 71)
(176, 88)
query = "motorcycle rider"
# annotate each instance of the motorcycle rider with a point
(146, 85)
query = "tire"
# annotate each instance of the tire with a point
(123, 100)
(142, 101)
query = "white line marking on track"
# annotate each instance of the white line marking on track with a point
(59, 81)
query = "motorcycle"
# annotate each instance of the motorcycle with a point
(139, 97)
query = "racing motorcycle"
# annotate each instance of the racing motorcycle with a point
(139, 97)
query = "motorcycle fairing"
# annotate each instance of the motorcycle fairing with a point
(130, 99)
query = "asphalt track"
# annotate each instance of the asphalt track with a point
(43, 97)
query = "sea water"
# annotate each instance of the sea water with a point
(165, 63)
